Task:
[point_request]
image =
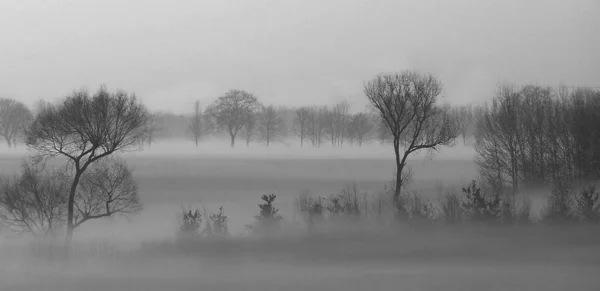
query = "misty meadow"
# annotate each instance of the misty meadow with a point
(431, 169)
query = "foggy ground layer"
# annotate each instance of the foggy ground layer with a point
(172, 174)
(175, 174)
(415, 259)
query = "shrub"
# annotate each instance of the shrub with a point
(588, 205)
(219, 223)
(420, 209)
(402, 208)
(559, 207)
(479, 207)
(522, 213)
(380, 206)
(346, 204)
(268, 220)
(190, 222)
(310, 207)
(451, 210)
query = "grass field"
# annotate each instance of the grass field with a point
(415, 259)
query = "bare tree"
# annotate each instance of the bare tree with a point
(152, 127)
(231, 110)
(407, 104)
(270, 124)
(195, 128)
(301, 124)
(107, 188)
(35, 200)
(249, 128)
(340, 118)
(359, 128)
(85, 129)
(14, 119)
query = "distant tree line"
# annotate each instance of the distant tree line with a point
(251, 121)
(240, 115)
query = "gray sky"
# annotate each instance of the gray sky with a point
(290, 52)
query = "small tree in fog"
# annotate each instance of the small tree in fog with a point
(14, 119)
(195, 129)
(270, 125)
(35, 200)
(231, 110)
(406, 103)
(219, 223)
(85, 129)
(191, 221)
(269, 217)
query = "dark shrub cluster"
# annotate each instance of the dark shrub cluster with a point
(267, 221)
(191, 224)
(565, 206)
(347, 205)
(474, 206)
(479, 207)
(219, 223)
(191, 221)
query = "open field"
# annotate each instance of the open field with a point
(176, 174)
(413, 259)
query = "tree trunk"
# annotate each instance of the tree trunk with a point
(232, 139)
(196, 139)
(70, 208)
(8, 142)
(399, 168)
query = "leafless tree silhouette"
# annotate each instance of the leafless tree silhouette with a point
(86, 128)
(407, 103)
(14, 119)
(195, 128)
(231, 110)
(301, 125)
(35, 200)
(270, 125)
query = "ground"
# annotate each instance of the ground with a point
(432, 263)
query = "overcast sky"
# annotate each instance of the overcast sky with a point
(171, 53)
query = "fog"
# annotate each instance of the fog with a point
(142, 252)
(290, 53)
(338, 228)
(175, 173)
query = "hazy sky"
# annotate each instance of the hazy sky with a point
(290, 52)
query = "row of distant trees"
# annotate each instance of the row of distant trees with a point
(240, 115)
